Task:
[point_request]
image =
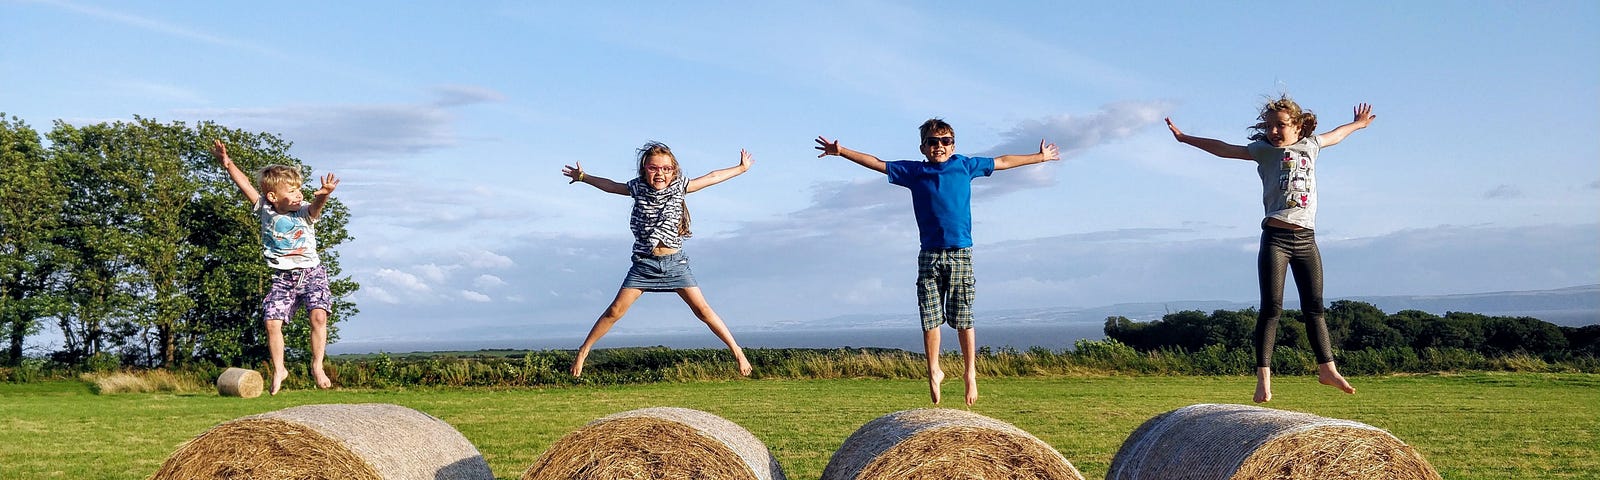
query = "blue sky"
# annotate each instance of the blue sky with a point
(450, 121)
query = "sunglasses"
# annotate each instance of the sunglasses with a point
(931, 141)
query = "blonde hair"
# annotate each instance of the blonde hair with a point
(1306, 120)
(651, 149)
(273, 176)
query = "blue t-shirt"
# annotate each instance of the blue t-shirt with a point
(941, 195)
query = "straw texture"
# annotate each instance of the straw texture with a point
(1213, 441)
(657, 442)
(936, 443)
(355, 442)
(239, 382)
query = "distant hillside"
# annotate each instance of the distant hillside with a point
(1572, 306)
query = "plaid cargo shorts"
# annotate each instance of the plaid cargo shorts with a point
(945, 287)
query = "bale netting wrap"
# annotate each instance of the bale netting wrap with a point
(1214, 441)
(657, 442)
(239, 382)
(358, 442)
(937, 443)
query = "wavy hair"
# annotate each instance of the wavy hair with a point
(1304, 118)
(651, 149)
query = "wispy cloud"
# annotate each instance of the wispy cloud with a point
(164, 28)
(1072, 134)
(1503, 191)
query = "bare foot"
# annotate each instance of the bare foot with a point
(277, 381)
(971, 380)
(934, 379)
(1263, 386)
(744, 365)
(322, 379)
(1329, 375)
(577, 365)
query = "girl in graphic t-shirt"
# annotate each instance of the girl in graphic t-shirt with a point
(660, 222)
(1285, 148)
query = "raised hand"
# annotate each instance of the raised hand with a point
(1049, 151)
(1364, 114)
(1176, 134)
(329, 182)
(220, 151)
(827, 147)
(574, 171)
(744, 159)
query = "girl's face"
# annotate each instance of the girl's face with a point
(1282, 129)
(659, 171)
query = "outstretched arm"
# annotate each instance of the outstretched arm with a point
(1210, 145)
(1047, 152)
(239, 178)
(717, 176)
(320, 197)
(575, 172)
(1364, 117)
(865, 160)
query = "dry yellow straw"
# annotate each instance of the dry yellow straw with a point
(658, 442)
(936, 443)
(239, 382)
(1212, 441)
(336, 442)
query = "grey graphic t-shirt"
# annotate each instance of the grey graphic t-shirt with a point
(1288, 180)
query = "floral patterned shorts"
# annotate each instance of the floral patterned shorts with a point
(294, 288)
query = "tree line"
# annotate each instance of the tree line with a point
(1358, 326)
(129, 241)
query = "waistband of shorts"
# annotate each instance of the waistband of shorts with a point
(946, 250)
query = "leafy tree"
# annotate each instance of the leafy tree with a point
(31, 196)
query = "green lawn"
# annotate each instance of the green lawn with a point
(1478, 425)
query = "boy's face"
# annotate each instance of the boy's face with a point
(1282, 130)
(659, 171)
(939, 146)
(285, 198)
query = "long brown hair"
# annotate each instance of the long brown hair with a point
(651, 149)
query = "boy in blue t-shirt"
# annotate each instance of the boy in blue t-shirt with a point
(941, 196)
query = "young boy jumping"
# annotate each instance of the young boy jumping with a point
(289, 243)
(941, 197)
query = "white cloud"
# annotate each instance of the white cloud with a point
(1072, 135)
(486, 259)
(402, 280)
(487, 281)
(472, 296)
(433, 273)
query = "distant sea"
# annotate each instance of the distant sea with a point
(1021, 337)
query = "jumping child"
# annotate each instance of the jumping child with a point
(289, 243)
(660, 222)
(941, 197)
(1285, 149)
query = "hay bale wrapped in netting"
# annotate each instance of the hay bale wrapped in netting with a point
(239, 382)
(938, 443)
(363, 441)
(1212, 441)
(657, 442)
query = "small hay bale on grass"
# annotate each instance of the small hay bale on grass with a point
(657, 442)
(356, 442)
(938, 443)
(1213, 441)
(239, 382)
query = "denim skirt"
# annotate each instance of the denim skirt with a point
(659, 274)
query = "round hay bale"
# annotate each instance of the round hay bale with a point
(239, 382)
(657, 442)
(1213, 441)
(939, 443)
(363, 441)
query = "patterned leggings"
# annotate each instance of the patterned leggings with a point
(1296, 250)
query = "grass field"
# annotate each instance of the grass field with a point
(1469, 426)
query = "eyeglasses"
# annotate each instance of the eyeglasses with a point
(931, 141)
(656, 169)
